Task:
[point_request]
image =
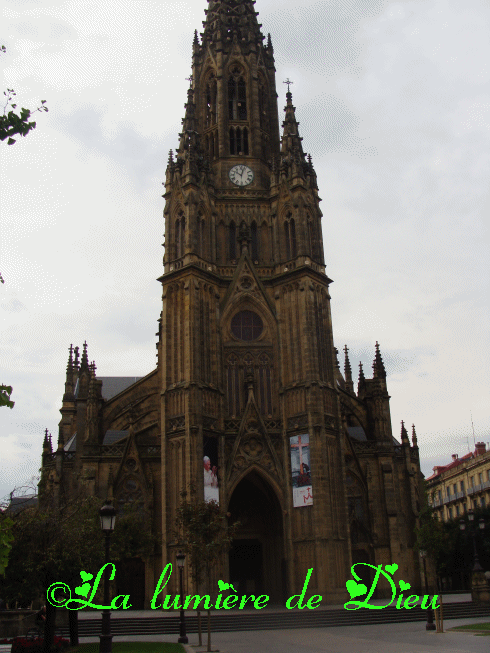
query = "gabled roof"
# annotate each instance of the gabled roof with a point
(113, 385)
(440, 469)
(114, 436)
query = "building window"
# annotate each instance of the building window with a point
(439, 494)
(237, 97)
(179, 236)
(480, 476)
(265, 385)
(448, 491)
(461, 485)
(246, 325)
(211, 115)
(482, 502)
(290, 237)
(238, 140)
(457, 511)
(450, 513)
(455, 488)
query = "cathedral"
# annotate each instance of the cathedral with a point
(247, 401)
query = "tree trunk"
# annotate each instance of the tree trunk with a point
(49, 626)
(73, 624)
(199, 627)
(209, 630)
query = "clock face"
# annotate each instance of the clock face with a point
(241, 175)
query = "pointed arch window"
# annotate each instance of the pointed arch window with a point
(201, 235)
(290, 237)
(179, 236)
(265, 385)
(211, 113)
(237, 96)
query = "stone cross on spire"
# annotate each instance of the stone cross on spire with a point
(288, 82)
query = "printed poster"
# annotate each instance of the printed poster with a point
(299, 446)
(210, 463)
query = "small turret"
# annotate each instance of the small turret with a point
(404, 435)
(349, 385)
(361, 382)
(378, 365)
(414, 437)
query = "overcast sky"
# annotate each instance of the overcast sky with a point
(394, 107)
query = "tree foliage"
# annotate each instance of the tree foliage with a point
(203, 534)
(12, 123)
(6, 538)
(5, 392)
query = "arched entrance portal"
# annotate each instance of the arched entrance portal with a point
(257, 564)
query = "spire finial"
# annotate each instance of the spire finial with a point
(196, 40)
(348, 371)
(361, 373)
(69, 367)
(77, 354)
(404, 434)
(288, 82)
(190, 79)
(378, 365)
(414, 436)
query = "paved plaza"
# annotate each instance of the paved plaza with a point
(384, 638)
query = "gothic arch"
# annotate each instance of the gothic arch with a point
(266, 477)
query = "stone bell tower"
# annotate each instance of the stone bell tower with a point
(246, 350)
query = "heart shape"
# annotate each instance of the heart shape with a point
(225, 586)
(83, 590)
(404, 585)
(86, 576)
(355, 589)
(391, 568)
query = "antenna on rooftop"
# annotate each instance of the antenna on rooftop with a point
(473, 427)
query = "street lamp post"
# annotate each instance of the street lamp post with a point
(430, 625)
(481, 524)
(180, 563)
(107, 520)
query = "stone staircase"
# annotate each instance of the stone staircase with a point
(272, 620)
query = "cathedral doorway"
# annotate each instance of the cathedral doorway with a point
(130, 579)
(256, 559)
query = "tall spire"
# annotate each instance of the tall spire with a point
(404, 434)
(69, 396)
(84, 363)
(378, 365)
(348, 372)
(229, 21)
(414, 437)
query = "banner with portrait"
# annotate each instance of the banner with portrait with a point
(299, 447)
(210, 464)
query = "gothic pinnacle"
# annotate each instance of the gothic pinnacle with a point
(404, 434)
(84, 363)
(362, 378)
(414, 436)
(348, 371)
(378, 365)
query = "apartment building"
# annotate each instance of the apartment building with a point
(462, 484)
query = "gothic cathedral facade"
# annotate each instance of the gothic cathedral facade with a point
(247, 402)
